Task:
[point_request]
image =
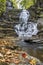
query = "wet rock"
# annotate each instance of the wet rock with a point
(40, 23)
(9, 5)
(40, 26)
(28, 41)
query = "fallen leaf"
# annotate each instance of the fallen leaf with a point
(33, 62)
(24, 55)
(16, 61)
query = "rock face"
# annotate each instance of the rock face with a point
(7, 22)
(9, 5)
(40, 26)
(40, 23)
(10, 18)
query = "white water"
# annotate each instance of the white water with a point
(26, 29)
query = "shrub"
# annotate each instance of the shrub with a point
(2, 6)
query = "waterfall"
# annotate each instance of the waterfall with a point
(26, 28)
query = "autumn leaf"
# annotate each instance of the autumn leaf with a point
(24, 55)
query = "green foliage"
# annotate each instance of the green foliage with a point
(2, 6)
(24, 3)
(27, 3)
(14, 3)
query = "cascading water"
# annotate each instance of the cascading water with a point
(25, 29)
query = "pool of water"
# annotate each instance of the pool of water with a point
(34, 49)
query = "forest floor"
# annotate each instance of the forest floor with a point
(13, 54)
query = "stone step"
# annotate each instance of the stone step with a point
(4, 33)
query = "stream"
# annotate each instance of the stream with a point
(34, 49)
